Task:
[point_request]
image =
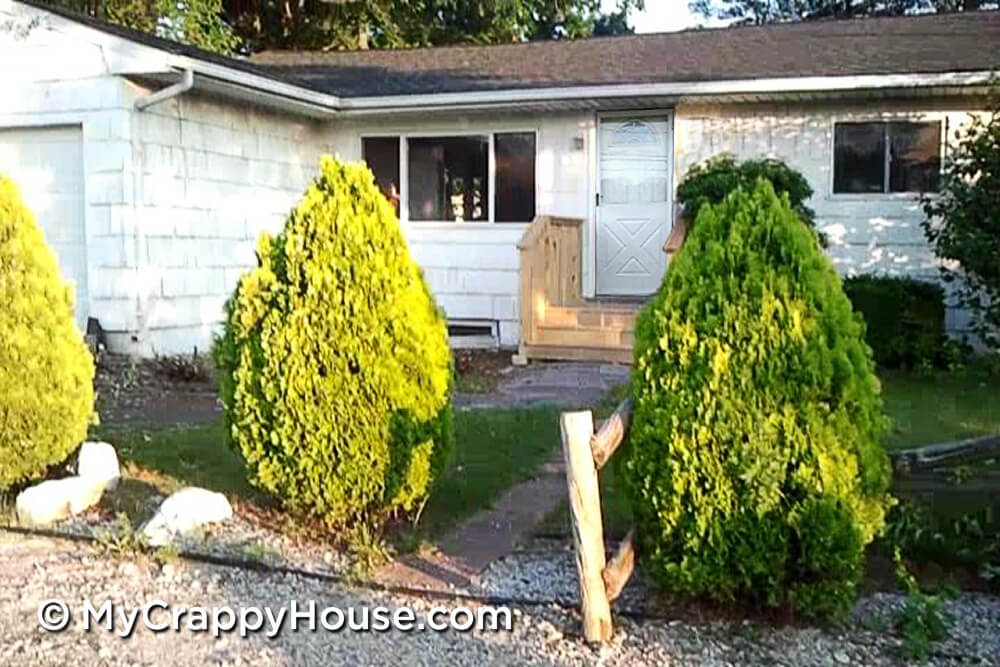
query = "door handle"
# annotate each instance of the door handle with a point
(597, 199)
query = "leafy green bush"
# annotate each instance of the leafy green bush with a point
(904, 318)
(963, 220)
(755, 466)
(46, 371)
(335, 370)
(711, 181)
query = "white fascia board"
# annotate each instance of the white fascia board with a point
(255, 81)
(359, 105)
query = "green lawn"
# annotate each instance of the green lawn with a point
(925, 408)
(940, 407)
(493, 451)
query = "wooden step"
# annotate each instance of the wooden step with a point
(588, 316)
(618, 355)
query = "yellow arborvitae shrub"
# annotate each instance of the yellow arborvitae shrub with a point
(46, 371)
(755, 462)
(335, 368)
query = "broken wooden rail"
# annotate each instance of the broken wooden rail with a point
(931, 456)
(585, 452)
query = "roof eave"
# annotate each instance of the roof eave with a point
(512, 98)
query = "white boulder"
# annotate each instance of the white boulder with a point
(98, 461)
(57, 499)
(183, 511)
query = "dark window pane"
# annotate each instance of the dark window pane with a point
(915, 154)
(515, 177)
(382, 156)
(859, 157)
(448, 178)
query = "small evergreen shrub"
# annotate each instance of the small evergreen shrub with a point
(904, 319)
(46, 371)
(334, 366)
(711, 181)
(755, 467)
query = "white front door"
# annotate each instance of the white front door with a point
(634, 203)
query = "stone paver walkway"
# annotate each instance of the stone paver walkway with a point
(569, 384)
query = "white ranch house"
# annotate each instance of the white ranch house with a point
(153, 166)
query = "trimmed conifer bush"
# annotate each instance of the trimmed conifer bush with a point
(755, 464)
(335, 370)
(46, 371)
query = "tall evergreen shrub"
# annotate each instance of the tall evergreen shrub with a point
(755, 464)
(46, 371)
(335, 369)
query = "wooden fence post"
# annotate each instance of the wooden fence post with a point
(588, 531)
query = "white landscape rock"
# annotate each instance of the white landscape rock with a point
(99, 461)
(57, 499)
(184, 511)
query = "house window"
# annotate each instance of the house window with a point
(381, 154)
(886, 157)
(449, 178)
(515, 179)
(487, 177)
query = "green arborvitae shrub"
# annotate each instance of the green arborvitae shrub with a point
(755, 465)
(904, 319)
(46, 371)
(335, 370)
(711, 181)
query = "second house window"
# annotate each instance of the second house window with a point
(886, 157)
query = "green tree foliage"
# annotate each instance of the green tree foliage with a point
(755, 465)
(963, 220)
(711, 181)
(335, 370)
(46, 371)
(315, 24)
(196, 22)
(759, 12)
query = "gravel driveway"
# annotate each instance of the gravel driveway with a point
(38, 569)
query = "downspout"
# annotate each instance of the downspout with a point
(185, 84)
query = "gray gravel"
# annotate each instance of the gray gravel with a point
(38, 569)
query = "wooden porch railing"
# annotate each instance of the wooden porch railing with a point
(557, 322)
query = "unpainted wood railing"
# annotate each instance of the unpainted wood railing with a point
(585, 452)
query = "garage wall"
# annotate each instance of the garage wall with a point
(473, 268)
(869, 233)
(210, 176)
(61, 86)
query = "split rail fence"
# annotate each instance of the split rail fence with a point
(585, 452)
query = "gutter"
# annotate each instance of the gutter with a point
(305, 97)
(174, 90)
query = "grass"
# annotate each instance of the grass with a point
(493, 451)
(930, 408)
(925, 408)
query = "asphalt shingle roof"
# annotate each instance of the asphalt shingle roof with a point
(917, 44)
(920, 44)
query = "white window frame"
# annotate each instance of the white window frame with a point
(491, 175)
(886, 194)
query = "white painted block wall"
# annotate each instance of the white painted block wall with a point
(210, 176)
(869, 233)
